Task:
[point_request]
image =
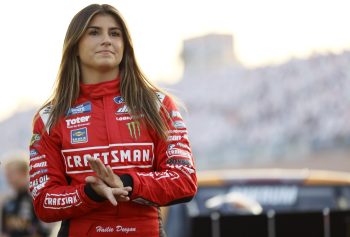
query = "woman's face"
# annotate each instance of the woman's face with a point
(101, 47)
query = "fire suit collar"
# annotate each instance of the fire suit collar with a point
(100, 89)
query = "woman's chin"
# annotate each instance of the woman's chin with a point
(105, 67)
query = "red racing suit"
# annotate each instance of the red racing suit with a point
(161, 172)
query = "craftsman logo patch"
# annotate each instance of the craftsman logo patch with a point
(118, 156)
(79, 136)
(61, 201)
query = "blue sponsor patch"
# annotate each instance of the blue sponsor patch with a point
(42, 171)
(82, 108)
(33, 152)
(118, 100)
(79, 136)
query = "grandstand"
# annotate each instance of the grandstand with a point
(271, 115)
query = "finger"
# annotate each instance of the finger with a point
(91, 179)
(102, 168)
(128, 188)
(92, 164)
(110, 171)
(114, 177)
(123, 198)
(109, 195)
(97, 166)
(119, 191)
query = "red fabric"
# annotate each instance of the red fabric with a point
(99, 125)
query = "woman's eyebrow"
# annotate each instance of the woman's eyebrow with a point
(98, 28)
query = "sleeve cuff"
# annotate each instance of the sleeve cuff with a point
(90, 192)
(127, 182)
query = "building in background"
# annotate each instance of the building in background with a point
(211, 52)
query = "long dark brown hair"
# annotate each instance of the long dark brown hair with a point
(137, 90)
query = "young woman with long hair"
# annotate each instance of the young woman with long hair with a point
(108, 147)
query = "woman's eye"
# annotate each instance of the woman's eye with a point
(93, 32)
(115, 33)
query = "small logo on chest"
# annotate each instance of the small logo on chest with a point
(118, 100)
(76, 121)
(79, 136)
(134, 129)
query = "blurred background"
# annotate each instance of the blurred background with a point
(265, 83)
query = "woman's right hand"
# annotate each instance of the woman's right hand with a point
(105, 173)
(112, 194)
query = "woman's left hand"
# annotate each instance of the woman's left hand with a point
(105, 173)
(114, 195)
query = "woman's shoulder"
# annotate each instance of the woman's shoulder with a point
(161, 96)
(168, 100)
(41, 120)
(42, 115)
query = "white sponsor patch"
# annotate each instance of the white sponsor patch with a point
(175, 152)
(177, 137)
(179, 125)
(123, 118)
(37, 158)
(38, 165)
(35, 182)
(118, 156)
(175, 114)
(122, 110)
(42, 171)
(36, 190)
(78, 121)
(62, 201)
(161, 175)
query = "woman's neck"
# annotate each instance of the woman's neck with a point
(92, 76)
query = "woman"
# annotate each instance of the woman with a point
(109, 147)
